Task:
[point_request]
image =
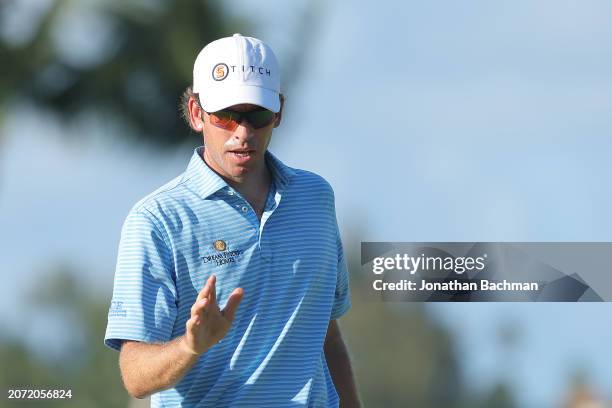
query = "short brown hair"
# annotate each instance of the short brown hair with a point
(184, 104)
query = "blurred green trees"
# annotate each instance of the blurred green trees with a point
(403, 357)
(131, 60)
(84, 365)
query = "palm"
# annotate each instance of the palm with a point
(208, 323)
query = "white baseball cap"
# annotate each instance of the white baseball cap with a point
(235, 70)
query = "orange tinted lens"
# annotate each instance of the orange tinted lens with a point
(224, 119)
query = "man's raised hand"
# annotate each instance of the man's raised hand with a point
(208, 324)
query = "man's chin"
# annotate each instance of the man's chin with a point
(240, 171)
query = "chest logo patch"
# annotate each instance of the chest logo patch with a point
(223, 254)
(220, 245)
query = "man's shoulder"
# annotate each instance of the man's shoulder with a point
(164, 196)
(309, 180)
(298, 179)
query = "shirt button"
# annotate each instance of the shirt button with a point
(231, 192)
(244, 208)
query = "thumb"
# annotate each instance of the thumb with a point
(232, 304)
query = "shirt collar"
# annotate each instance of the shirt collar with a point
(207, 182)
(281, 173)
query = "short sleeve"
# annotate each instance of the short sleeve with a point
(143, 306)
(342, 298)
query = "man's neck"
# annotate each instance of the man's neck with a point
(254, 185)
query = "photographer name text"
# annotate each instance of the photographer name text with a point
(422, 264)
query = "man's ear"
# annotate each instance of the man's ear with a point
(279, 115)
(195, 115)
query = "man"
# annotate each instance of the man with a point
(230, 278)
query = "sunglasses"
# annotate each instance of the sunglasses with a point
(229, 119)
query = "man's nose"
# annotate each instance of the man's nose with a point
(244, 131)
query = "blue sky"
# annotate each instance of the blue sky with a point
(434, 121)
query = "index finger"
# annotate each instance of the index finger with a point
(213, 291)
(205, 292)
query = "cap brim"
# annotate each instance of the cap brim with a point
(230, 96)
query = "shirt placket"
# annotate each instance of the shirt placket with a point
(247, 211)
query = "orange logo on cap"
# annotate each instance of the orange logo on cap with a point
(220, 72)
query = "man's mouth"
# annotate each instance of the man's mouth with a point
(242, 156)
(243, 152)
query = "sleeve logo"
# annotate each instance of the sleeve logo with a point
(117, 309)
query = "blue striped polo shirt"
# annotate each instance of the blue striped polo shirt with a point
(290, 264)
